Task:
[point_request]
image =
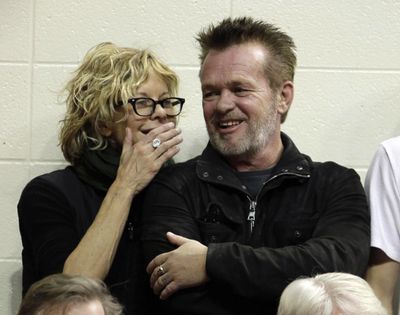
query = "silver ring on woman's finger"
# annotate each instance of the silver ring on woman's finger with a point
(160, 270)
(156, 143)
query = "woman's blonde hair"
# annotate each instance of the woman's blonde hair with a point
(108, 75)
(333, 293)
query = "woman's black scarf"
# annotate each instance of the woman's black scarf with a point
(98, 168)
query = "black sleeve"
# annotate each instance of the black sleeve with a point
(166, 210)
(47, 228)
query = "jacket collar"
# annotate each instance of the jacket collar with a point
(212, 167)
(292, 161)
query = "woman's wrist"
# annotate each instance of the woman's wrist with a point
(121, 188)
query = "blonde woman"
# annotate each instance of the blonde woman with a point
(118, 131)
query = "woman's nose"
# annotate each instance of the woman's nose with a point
(159, 113)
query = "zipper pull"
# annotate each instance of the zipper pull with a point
(252, 214)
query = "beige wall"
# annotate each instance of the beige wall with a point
(347, 83)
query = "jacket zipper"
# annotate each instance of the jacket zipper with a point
(252, 214)
(251, 217)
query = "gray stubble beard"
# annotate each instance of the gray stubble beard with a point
(256, 138)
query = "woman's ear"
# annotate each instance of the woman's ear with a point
(285, 97)
(105, 128)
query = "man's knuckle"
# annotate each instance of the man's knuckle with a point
(173, 286)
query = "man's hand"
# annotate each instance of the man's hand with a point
(181, 268)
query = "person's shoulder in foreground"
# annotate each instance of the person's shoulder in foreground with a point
(382, 185)
(69, 295)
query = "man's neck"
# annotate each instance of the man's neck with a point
(263, 159)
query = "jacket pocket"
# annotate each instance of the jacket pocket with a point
(215, 226)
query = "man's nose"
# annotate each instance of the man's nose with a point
(226, 101)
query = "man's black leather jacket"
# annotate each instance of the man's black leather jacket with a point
(308, 218)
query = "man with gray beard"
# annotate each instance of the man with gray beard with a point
(225, 232)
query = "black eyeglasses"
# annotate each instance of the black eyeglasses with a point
(145, 106)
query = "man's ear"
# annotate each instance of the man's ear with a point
(105, 128)
(285, 97)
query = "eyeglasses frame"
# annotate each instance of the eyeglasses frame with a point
(133, 101)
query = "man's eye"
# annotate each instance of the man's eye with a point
(241, 91)
(210, 95)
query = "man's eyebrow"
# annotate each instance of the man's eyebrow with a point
(208, 86)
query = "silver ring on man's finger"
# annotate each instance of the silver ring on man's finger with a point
(160, 270)
(156, 143)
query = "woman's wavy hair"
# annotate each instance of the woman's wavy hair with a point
(108, 75)
(56, 293)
